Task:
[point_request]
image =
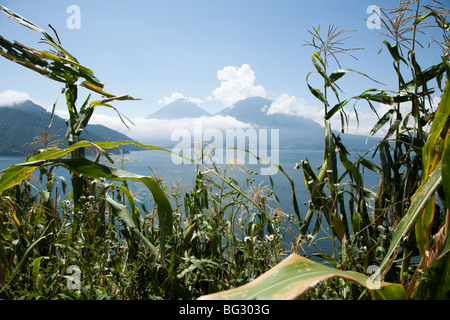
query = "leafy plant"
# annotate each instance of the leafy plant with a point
(410, 210)
(61, 66)
(222, 238)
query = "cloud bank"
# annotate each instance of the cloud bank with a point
(147, 130)
(11, 97)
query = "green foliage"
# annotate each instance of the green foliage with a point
(224, 237)
(216, 241)
(409, 212)
(294, 276)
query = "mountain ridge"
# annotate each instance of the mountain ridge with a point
(295, 132)
(21, 125)
(179, 109)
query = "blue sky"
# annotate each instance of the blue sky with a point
(199, 49)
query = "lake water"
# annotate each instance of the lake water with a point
(161, 163)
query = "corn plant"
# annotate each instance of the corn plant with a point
(222, 233)
(59, 65)
(410, 211)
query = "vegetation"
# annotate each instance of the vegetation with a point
(223, 239)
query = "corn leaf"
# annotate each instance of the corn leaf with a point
(384, 119)
(18, 18)
(336, 75)
(22, 262)
(290, 279)
(62, 67)
(446, 168)
(321, 70)
(423, 228)
(316, 92)
(395, 53)
(335, 109)
(435, 150)
(124, 214)
(394, 292)
(420, 200)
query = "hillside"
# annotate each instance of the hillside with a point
(21, 125)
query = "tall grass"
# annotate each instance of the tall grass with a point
(223, 237)
(399, 233)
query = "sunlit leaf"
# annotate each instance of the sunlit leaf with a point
(316, 58)
(18, 18)
(395, 53)
(336, 75)
(188, 235)
(435, 150)
(290, 279)
(335, 109)
(394, 292)
(15, 174)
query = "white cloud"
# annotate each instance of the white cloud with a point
(237, 84)
(11, 97)
(177, 95)
(146, 130)
(291, 105)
